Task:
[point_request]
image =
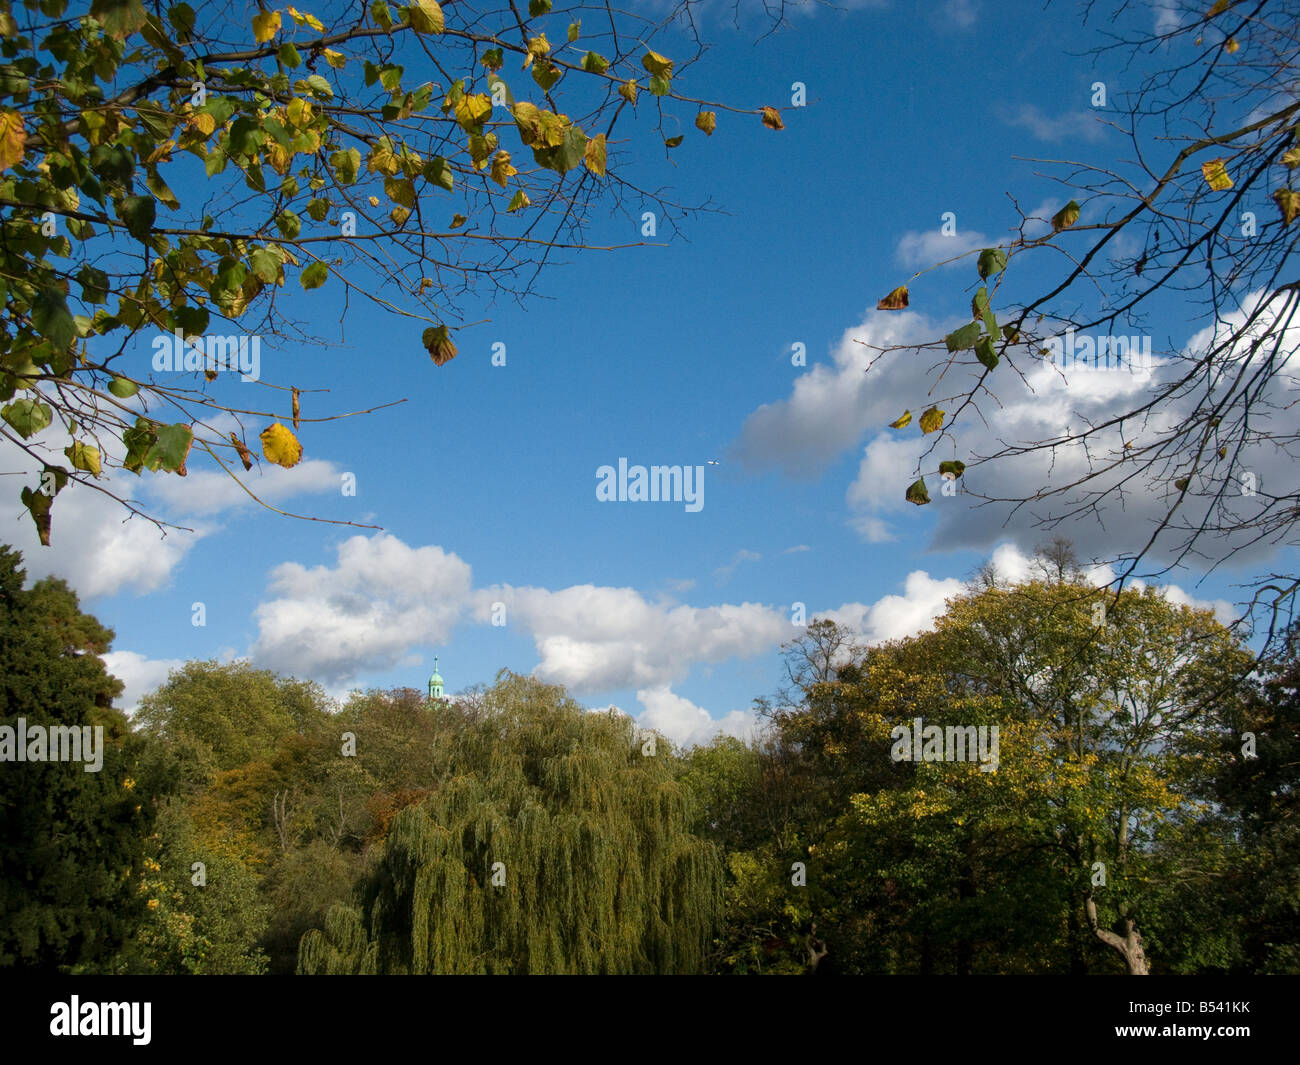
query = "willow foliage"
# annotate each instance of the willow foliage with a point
(551, 844)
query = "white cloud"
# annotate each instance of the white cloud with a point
(592, 638)
(96, 545)
(687, 724)
(208, 491)
(1069, 125)
(723, 573)
(381, 600)
(929, 247)
(139, 674)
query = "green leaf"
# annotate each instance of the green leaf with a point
(539, 7)
(137, 214)
(320, 86)
(595, 63)
(38, 504)
(439, 172)
(382, 16)
(985, 353)
(992, 261)
(952, 469)
(289, 224)
(122, 387)
(289, 56)
(265, 264)
(916, 492)
(94, 284)
(346, 164)
(170, 448)
(27, 416)
(315, 275)
(52, 319)
(963, 338)
(660, 86)
(120, 18)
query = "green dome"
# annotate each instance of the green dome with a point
(436, 678)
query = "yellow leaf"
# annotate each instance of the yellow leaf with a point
(1231, 46)
(334, 59)
(473, 110)
(895, 301)
(265, 26)
(657, 64)
(311, 20)
(1288, 202)
(296, 409)
(280, 446)
(502, 171)
(1216, 175)
(1291, 159)
(594, 155)
(903, 421)
(203, 122)
(13, 139)
(1220, 6)
(772, 118)
(707, 122)
(84, 457)
(931, 420)
(426, 16)
(628, 91)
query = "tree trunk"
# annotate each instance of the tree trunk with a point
(1129, 946)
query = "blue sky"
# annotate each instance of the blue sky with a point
(484, 479)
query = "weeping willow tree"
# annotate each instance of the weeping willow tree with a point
(552, 843)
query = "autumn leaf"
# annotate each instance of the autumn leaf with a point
(245, 456)
(1216, 175)
(83, 457)
(593, 156)
(426, 16)
(296, 409)
(458, 220)
(13, 139)
(706, 122)
(655, 63)
(518, 202)
(1065, 217)
(628, 91)
(951, 469)
(280, 446)
(902, 421)
(916, 492)
(931, 420)
(265, 26)
(1288, 202)
(895, 301)
(502, 171)
(772, 118)
(438, 344)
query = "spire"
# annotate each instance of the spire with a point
(435, 682)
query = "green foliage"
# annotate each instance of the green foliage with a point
(68, 838)
(601, 873)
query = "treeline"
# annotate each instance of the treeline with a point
(1053, 780)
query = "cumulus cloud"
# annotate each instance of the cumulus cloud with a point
(591, 638)
(688, 725)
(139, 674)
(924, 248)
(833, 408)
(369, 611)
(834, 404)
(96, 545)
(209, 491)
